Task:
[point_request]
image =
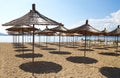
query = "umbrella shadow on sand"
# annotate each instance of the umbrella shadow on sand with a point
(110, 72)
(109, 54)
(60, 52)
(25, 50)
(102, 48)
(111, 47)
(17, 44)
(29, 55)
(41, 67)
(46, 48)
(20, 47)
(86, 49)
(80, 59)
(37, 45)
(72, 46)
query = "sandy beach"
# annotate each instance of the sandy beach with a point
(49, 63)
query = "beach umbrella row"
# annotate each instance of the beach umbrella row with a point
(60, 29)
(32, 18)
(86, 30)
(21, 30)
(116, 33)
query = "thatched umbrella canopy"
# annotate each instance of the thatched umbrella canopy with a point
(104, 33)
(115, 33)
(21, 30)
(46, 32)
(59, 29)
(37, 33)
(32, 18)
(14, 34)
(85, 29)
(73, 35)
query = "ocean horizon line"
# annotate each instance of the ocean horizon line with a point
(9, 38)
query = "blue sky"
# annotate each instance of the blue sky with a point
(71, 13)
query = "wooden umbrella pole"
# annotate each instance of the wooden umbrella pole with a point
(33, 43)
(54, 39)
(73, 40)
(22, 40)
(114, 42)
(67, 40)
(104, 41)
(27, 38)
(59, 41)
(18, 40)
(13, 38)
(30, 38)
(46, 41)
(39, 40)
(85, 45)
(89, 41)
(107, 40)
(117, 45)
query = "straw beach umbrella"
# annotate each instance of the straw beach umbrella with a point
(104, 33)
(73, 35)
(46, 32)
(14, 34)
(115, 33)
(21, 30)
(32, 18)
(60, 29)
(37, 32)
(86, 30)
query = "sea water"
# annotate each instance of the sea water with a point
(54, 38)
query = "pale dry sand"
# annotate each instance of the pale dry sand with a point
(60, 65)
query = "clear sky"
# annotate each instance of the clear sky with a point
(71, 13)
